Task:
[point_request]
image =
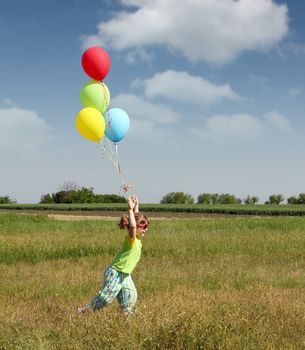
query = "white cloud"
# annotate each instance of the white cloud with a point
(277, 121)
(156, 122)
(235, 127)
(181, 86)
(140, 109)
(144, 55)
(294, 92)
(22, 130)
(201, 30)
(150, 123)
(90, 40)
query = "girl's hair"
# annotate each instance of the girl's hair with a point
(140, 219)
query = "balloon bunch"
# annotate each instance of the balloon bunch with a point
(95, 119)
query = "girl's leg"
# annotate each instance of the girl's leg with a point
(127, 297)
(111, 288)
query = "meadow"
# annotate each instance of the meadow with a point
(203, 283)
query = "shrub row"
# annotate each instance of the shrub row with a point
(82, 195)
(287, 210)
(6, 200)
(227, 198)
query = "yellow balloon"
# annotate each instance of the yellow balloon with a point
(90, 124)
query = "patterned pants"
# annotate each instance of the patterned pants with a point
(116, 285)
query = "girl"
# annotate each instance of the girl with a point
(117, 277)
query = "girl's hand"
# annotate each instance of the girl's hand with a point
(135, 198)
(136, 201)
(131, 203)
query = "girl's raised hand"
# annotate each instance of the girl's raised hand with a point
(131, 203)
(136, 201)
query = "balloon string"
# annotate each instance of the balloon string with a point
(105, 94)
(111, 151)
(113, 156)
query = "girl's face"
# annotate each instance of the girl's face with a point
(142, 228)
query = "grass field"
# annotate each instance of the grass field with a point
(210, 283)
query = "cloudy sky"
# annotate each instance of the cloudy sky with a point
(214, 90)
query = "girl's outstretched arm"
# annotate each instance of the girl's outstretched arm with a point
(132, 221)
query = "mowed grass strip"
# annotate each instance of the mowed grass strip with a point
(229, 283)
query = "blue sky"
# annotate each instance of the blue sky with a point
(214, 91)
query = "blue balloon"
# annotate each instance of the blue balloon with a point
(117, 124)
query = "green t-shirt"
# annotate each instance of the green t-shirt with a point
(129, 255)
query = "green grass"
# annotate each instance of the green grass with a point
(213, 283)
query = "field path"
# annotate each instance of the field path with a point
(113, 215)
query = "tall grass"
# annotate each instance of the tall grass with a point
(227, 283)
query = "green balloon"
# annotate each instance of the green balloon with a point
(93, 94)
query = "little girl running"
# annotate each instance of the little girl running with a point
(117, 277)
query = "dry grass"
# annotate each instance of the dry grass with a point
(205, 284)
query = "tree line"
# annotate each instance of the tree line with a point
(71, 193)
(7, 200)
(227, 198)
(82, 195)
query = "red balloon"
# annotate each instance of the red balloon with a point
(96, 62)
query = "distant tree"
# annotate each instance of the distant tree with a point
(204, 198)
(82, 195)
(239, 200)
(208, 198)
(109, 198)
(61, 197)
(46, 199)
(292, 200)
(301, 198)
(297, 200)
(227, 198)
(214, 198)
(7, 200)
(177, 198)
(251, 200)
(275, 199)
